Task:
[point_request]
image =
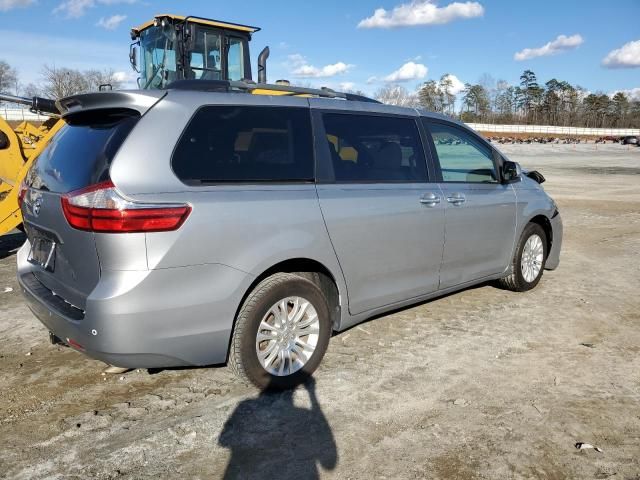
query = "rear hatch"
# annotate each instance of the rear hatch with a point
(65, 259)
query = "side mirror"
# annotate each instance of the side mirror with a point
(133, 56)
(511, 172)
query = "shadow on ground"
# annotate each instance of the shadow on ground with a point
(270, 437)
(9, 243)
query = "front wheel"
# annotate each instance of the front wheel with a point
(281, 333)
(528, 261)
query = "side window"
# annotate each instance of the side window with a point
(462, 157)
(368, 148)
(235, 59)
(205, 57)
(245, 144)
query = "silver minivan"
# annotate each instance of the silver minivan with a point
(186, 227)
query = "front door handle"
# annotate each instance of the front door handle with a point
(430, 199)
(456, 198)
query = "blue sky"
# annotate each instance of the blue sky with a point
(342, 43)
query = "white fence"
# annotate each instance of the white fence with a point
(20, 114)
(553, 130)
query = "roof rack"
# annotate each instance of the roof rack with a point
(249, 86)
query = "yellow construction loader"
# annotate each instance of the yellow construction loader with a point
(165, 50)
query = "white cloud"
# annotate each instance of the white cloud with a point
(6, 5)
(127, 79)
(78, 8)
(456, 85)
(304, 70)
(561, 44)
(627, 56)
(631, 93)
(408, 71)
(421, 12)
(112, 22)
(371, 80)
(296, 59)
(74, 8)
(347, 86)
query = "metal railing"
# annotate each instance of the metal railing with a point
(19, 114)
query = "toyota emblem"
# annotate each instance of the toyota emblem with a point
(36, 206)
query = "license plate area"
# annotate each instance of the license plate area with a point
(43, 253)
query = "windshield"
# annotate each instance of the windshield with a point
(158, 58)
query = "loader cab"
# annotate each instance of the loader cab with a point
(172, 47)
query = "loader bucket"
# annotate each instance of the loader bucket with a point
(18, 149)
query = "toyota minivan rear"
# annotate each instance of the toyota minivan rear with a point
(84, 267)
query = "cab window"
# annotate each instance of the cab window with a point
(235, 59)
(205, 57)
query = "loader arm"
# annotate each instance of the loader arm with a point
(24, 145)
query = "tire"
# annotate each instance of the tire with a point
(521, 280)
(264, 305)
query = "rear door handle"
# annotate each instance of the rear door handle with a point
(430, 199)
(456, 198)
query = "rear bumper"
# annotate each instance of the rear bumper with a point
(553, 259)
(146, 319)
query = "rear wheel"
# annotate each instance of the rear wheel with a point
(281, 333)
(528, 261)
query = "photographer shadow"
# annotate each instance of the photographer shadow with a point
(10, 243)
(270, 437)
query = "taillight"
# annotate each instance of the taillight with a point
(100, 208)
(21, 193)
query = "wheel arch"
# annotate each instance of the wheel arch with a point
(545, 224)
(312, 270)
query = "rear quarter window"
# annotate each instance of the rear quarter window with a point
(242, 144)
(79, 155)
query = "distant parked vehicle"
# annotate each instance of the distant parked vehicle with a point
(188, 227)
(629, 140)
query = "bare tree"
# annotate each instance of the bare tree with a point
(8, 78)
(397, 95)
(62, 82)
(30, 90)
(97, 78)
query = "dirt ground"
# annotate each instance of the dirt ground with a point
(480, 384)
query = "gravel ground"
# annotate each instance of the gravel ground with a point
(479, 384)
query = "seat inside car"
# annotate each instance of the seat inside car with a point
(388, 162)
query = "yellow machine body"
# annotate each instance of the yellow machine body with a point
(26, 141)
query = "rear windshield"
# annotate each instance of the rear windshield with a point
(79, 155)
(246, 145)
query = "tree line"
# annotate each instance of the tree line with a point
(555, 102)
(56, 82)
